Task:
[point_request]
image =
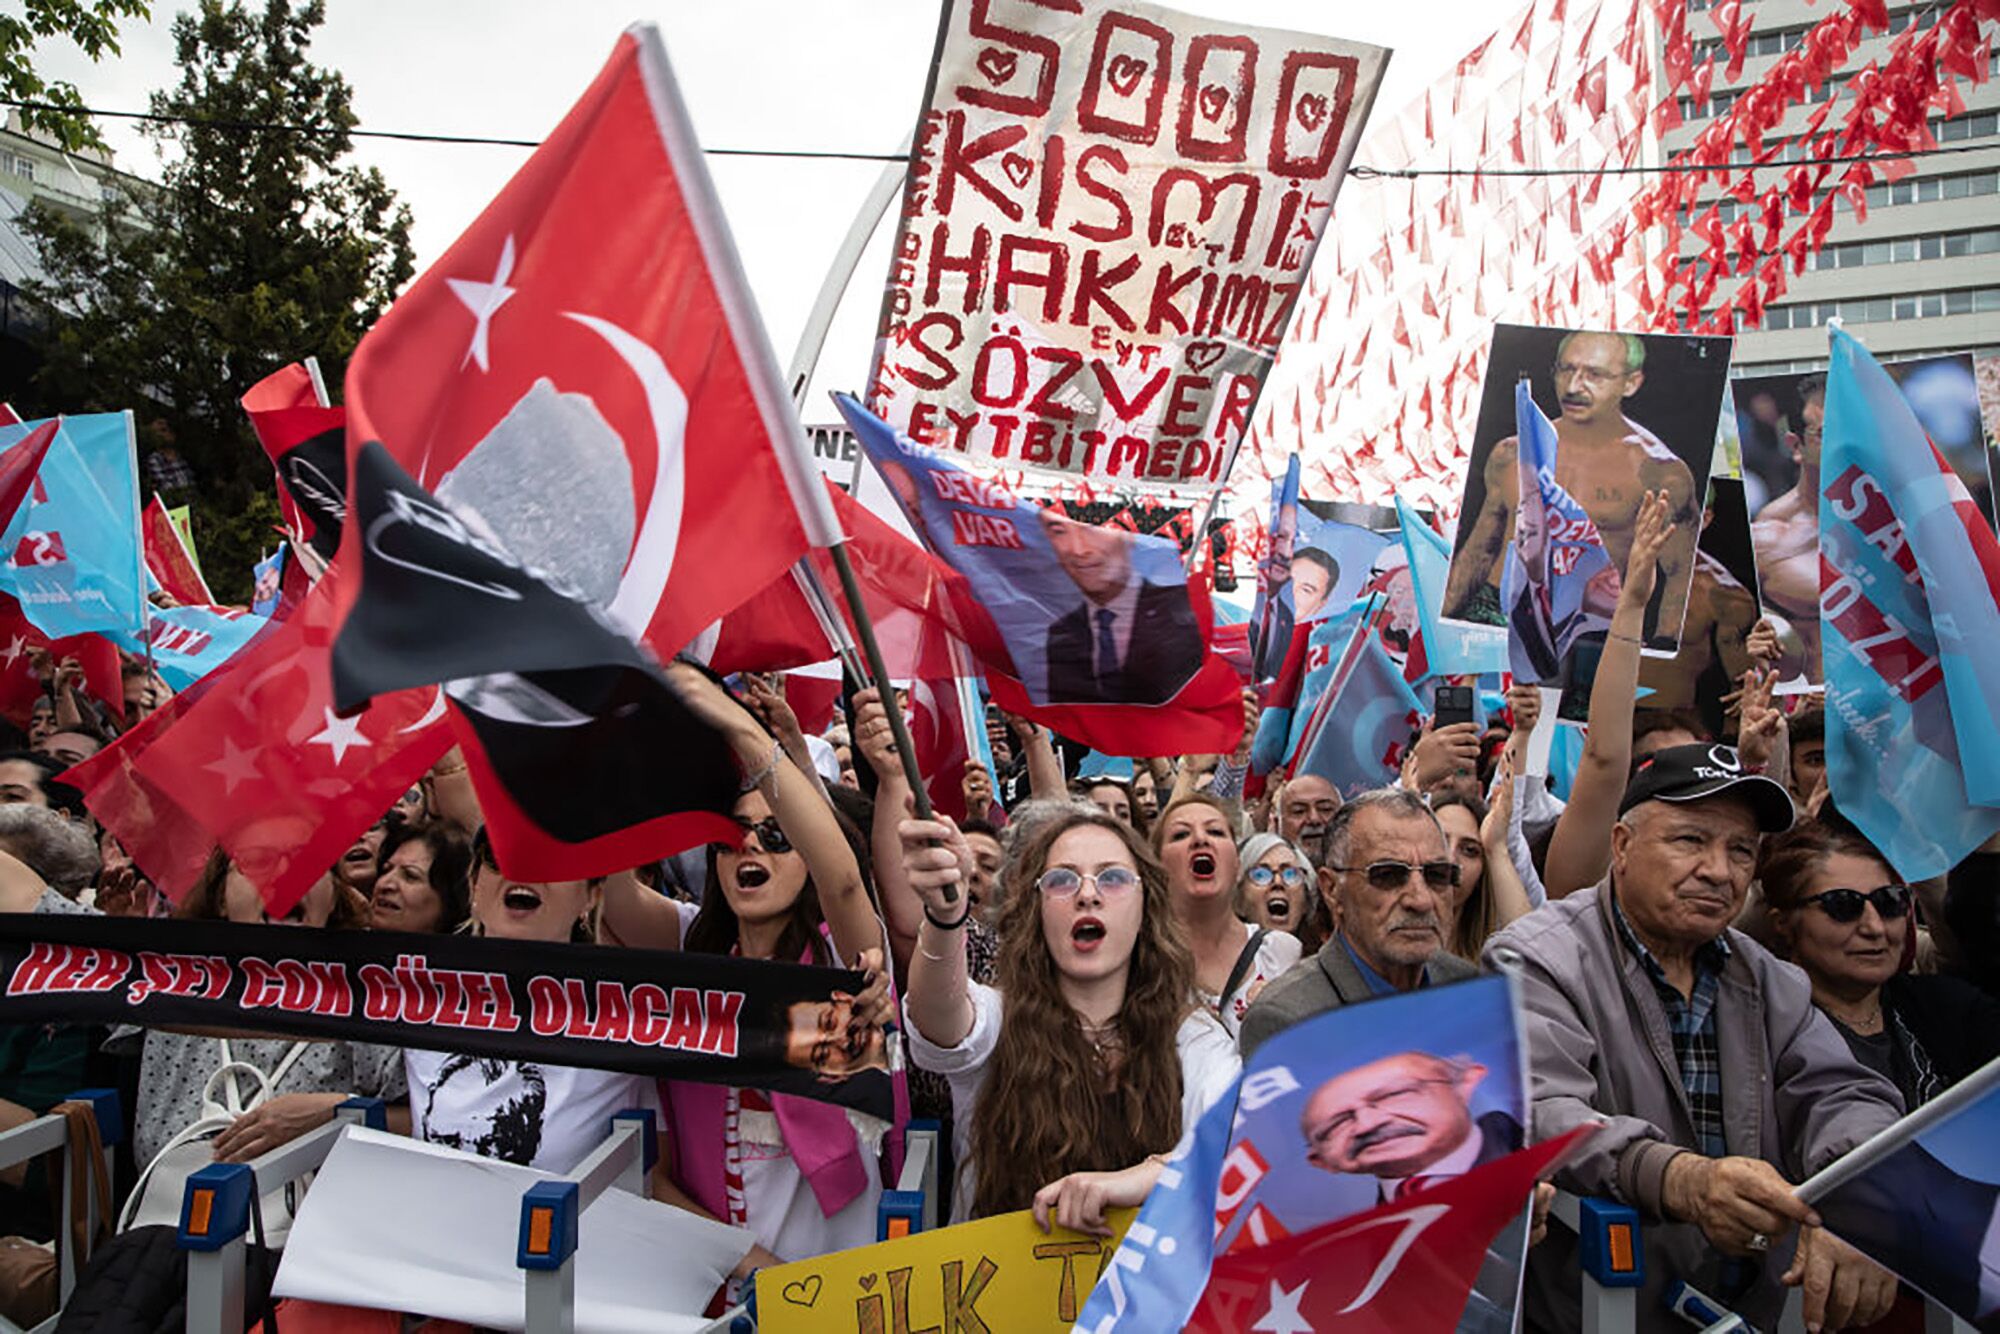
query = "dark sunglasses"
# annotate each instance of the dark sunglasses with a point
(1262, 876)
(1845, 905)
(770, 834)
(1387, 876)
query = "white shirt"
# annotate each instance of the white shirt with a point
(1276, 953)
(1454, 1164)
(544, 1116)
(1209, 1065)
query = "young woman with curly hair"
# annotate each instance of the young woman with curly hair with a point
(1075, 1074)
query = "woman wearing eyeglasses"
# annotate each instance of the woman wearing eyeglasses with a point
(1280, 890)
(1195, 838)
(1075, 1075)
(1844, 917)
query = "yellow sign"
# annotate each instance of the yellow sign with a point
(999, 1274)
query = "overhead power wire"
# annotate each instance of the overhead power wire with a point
(1360, 170)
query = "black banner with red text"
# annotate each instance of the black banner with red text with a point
(702, 1017)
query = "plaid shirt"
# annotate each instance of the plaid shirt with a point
(1691, 1020)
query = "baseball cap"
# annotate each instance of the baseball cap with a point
(1690, 773)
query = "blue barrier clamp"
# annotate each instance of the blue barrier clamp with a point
(1608, 1243)
(900, 1213)
(216, 1207)
(374, 1112)
(548, 1225)
(649, 1134)
(110, 1113)
(936, 1127)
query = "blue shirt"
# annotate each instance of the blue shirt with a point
(1378, 985)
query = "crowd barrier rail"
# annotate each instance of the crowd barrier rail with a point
(216, 1224)
(1611, 1254)
(50, 1135)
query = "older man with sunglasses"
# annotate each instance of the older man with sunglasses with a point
(1716, 1083)
(1388, 880)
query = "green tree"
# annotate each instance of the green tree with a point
(93, 26)
(258, 247)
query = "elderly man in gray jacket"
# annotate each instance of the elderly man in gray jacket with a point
(1717, 1082)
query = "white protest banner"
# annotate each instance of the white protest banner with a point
(1110, 212)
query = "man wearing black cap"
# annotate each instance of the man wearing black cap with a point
(1716, 1082)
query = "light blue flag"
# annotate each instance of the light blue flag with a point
(1559, 582)
(1451, 648)
(1910, 628)
(72, 555)
(1360, 738)
(1283, 723)
(187, 643)
(268, 575)
(1922, 1198)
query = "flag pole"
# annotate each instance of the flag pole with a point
(864, 629)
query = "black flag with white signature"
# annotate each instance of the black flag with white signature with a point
(585, 760)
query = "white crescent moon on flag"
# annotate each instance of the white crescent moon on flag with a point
(431, 715)
(652, 559)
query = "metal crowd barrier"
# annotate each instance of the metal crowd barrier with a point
(50, 1134)
(1611, 1253)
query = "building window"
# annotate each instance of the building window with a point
(16, 165)
(1879, 310)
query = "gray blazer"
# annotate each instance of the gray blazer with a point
(1600, 1051)
(1324, 982)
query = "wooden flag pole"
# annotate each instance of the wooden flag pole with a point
(865, 629)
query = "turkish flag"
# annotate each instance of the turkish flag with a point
(255, 758)
(19, 465)
(583, 378)
(565, 720)
(169, 559)
(20, 687)
(306, 442)
(1405, 1267)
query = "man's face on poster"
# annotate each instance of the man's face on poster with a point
(1284, 540)
(267, 586)
(1812, 414)
(1391, 1118)
(1312, 581)
(1530, 541)
(821, 1036)
(1592, 378)
(1097, 560)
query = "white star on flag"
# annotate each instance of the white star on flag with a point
(1284, 1316)
(484, 300)
(16, 649)
(340, 734)
(236, 766)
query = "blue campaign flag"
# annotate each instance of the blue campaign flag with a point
(1909, 621)
(270, 578)
(1559, 582)
(1283, 722)
(1270, 1160)
(1358, 740)
(187, 643)
(1452, 648)
(72, 554)
(1922, 1199)
(1268, 641)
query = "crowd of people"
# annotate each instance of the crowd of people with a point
(1715, 966)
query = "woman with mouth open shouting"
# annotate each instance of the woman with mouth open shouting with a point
(1196, 839)
(804, 1176)
(1074, 1077)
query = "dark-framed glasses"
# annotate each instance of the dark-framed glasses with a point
(1387, 876)
(1845, 905)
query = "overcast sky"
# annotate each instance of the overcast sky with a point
(844, 75)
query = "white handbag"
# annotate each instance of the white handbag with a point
(156, 1197)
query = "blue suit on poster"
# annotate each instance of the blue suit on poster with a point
(1557, 569)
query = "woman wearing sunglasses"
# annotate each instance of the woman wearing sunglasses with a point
(1080, 1070)
(803, 1175)
(1280, 890)
(1843, 916)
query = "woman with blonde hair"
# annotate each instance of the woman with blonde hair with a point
(1080, 1069)
(1195, 839)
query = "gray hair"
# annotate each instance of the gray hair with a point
(57, 849)
(1258, 846)
(1398, 802)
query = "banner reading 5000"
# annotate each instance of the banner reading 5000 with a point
(1109, 215)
